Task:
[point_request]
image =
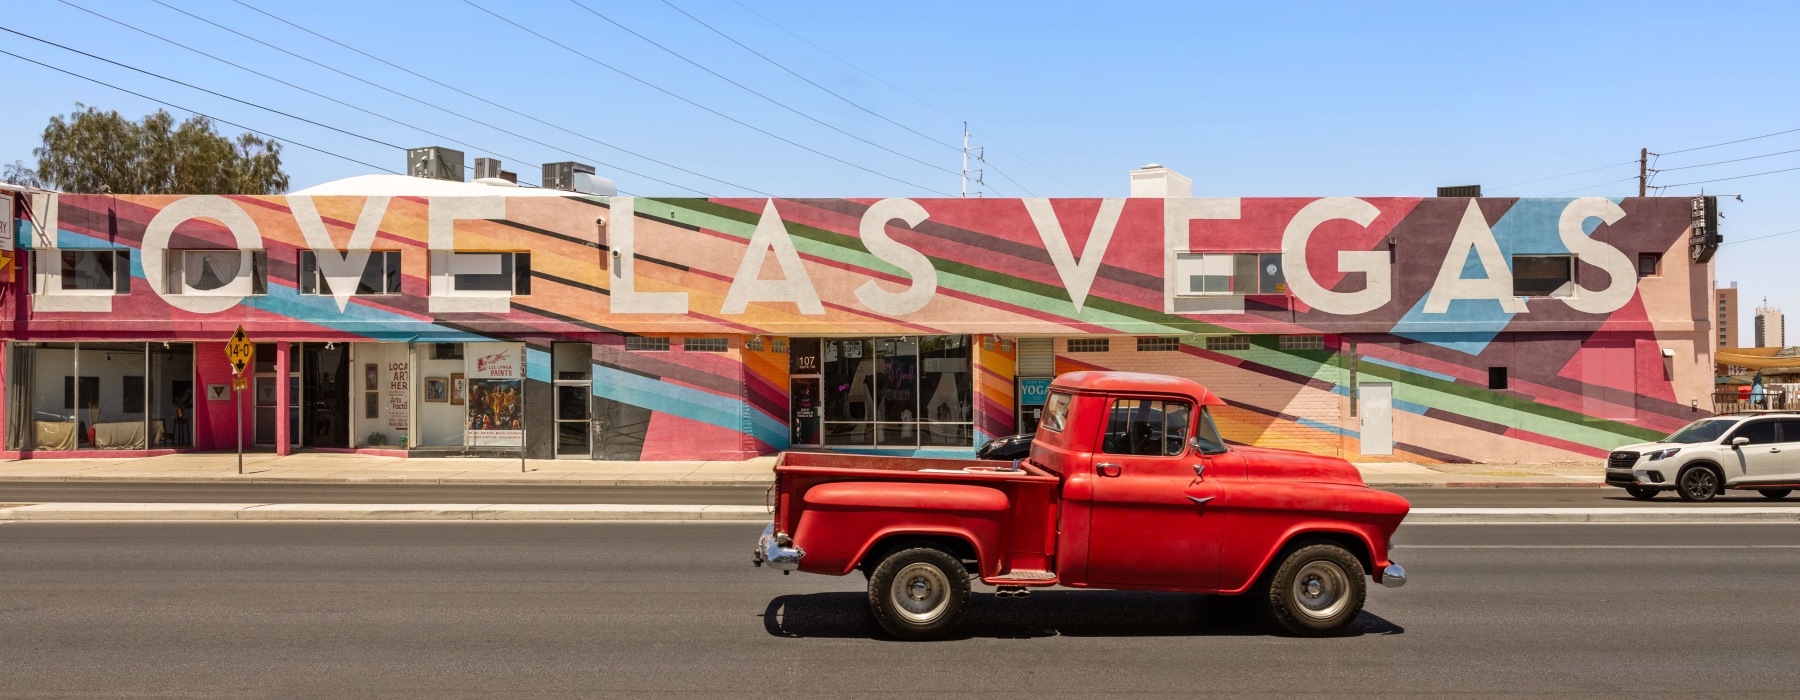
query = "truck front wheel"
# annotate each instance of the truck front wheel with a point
(919, 593)
(1317, 591)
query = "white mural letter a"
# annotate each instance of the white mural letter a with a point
(341, 269)
(771, 236)
(1077, 273)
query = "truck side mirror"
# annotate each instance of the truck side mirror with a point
(1205, 447)
(1740, 441)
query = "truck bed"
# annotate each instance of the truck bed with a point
(840, 504)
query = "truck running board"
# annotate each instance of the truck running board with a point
(1023, 576)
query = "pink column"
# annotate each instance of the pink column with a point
(282, 438)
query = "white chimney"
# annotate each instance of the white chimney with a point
(1157, 181)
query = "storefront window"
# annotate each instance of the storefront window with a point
(104, 396)
(890, 392)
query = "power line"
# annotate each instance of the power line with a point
(516, 112)
(172, 105)
(196, 87)
(911, 96)
(273, 78)
(1734, 177)
(1559, 177)
(1758, 238)
(665, 91)
(1589, 187)
(1727, 143)
(364, 81)
(809, 81)
(752, 91)
(1733, 160)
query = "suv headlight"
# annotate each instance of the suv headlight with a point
(1663, 454)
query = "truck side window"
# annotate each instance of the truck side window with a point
(1056, 413)
(1146, 427)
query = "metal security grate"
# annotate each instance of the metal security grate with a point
(754, 344)
(1228, 342)
(780, 345)
(705, 344)
(1089, 344)
(1303, 342)
(1158, 344)
(652, 343)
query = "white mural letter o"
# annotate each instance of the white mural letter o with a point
(156, 244)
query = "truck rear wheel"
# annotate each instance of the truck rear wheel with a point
(1317, 591)
(919, 593)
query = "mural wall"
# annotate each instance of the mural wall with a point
(1418, 294)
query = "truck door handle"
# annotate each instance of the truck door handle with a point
(1201, 501)
(1109, 469)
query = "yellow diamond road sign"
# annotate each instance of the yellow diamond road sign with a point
(239, 350)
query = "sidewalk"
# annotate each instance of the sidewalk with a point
(355, 468)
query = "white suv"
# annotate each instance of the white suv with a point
(1759, 452)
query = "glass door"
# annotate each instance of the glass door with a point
(571, 364)
(325, 380)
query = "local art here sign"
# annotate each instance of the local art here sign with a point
(496, 401)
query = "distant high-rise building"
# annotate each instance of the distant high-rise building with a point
(1771, 327)
(1725, 304)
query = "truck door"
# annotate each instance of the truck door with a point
(1153, 521)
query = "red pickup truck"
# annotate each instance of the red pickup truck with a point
(1129, 486)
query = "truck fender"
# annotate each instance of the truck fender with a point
(1372, 556)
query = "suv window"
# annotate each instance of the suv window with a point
(1790, 429)
(1702, 431)
(1760, 432)
(1147, 427)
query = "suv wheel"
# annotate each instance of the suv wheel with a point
(1775, 494)
(1697, 484)
(1642, 493)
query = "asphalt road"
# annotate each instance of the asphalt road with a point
(215, 492)
(648, 610)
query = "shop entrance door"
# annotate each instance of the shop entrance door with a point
(325, 382)
(263, 395)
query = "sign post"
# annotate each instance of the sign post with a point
(239, 351)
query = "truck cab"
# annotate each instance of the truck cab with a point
(1129, 485)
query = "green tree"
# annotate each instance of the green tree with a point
(102, 152)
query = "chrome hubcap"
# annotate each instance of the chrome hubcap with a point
(920, 593)
(1321, 590)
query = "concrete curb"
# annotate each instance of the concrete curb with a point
(608, 511)
(358, 511)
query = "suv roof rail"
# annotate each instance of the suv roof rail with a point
(1759, 411)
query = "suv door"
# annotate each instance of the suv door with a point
(1153, 521)
(1761, 459)
(1790, 450)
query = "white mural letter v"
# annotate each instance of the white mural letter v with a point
(1077, 273)
(341, 269)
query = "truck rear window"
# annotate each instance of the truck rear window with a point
(1056, 413)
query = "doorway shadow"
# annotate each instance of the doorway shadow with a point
(1049, 614)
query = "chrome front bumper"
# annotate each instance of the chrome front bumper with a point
(777, 550)
(1393, 576)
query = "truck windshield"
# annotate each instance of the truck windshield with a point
(1702, 431)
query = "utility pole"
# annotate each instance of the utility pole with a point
(1643, 171)
(980, 157)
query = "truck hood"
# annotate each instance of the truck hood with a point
(1271, 464)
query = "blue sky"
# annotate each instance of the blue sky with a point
(1250, 99)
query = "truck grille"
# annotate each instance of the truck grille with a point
(1622, 459)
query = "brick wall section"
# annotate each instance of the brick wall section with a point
(1288, 392)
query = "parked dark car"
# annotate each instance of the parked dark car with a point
(1007, 448)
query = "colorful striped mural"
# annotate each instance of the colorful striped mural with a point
(1417, 296)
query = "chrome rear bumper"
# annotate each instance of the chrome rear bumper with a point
(777, 550)
(1393, 576)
